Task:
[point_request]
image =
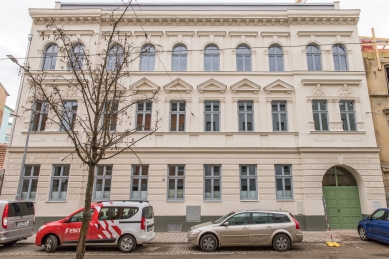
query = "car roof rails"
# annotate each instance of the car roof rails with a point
(140, 201)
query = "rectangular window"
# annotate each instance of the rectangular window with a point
(30, 182)
(212, 182)
(212, 116)
(143, 116)
(1, 179)
(102, 186)
(280, 115)
(177, 116)
(347, 114)
(246, 116)
(139, 181)
(40, 116)
(176, 182)
(69, 115)
(387, 76)
(284, 183)
(109, 116)
(320, 115)
(248, 182)
(59, 182)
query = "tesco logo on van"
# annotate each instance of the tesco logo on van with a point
(72, 230)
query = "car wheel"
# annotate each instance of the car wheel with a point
(281, 243)
(362, 234)
(209, 243)
(51, 244)
(127, 243)
(10, 243)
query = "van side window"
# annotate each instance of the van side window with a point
(109, 213)
(78, 217)
(281, 218)
(19, 209)
(129, 212)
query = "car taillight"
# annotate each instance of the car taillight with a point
(4, 218)
(143, 223)
(296, 222)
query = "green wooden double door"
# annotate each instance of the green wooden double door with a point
(343, 206)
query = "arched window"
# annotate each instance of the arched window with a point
(211, 58)
(313, 58)
(179, 58)
(340, 57)
(243, 58)
(276, 58)
(50, 57)
(77, 55)
(147, 58)
(115, 57)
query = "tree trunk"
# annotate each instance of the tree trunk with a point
(86, 215)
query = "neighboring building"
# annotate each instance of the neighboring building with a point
(378, 85)
(281, 116)
(6, 124)
(3, 96)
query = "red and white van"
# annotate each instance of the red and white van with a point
(122, 223)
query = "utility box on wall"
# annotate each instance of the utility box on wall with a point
(193, 213)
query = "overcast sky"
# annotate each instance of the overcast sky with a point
(16, 24)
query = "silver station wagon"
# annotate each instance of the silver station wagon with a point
(248, 228)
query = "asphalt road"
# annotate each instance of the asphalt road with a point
(182, 251)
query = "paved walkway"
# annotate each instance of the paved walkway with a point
(309, 237)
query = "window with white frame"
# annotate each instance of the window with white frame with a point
(248, 182)
(109, 116)
(177, 116)
(147, 58)
(179, 58)
(243, 58)
(59, 182)
(212, 182)
(320, 114)
(313, 57)
(77, 56)
(347, 115)
(212, 116)
(340, 57)
(279, 114)
(30, 182)
(139, 182)
(276, 58)
(284, 183)
(176, 182)
(115, 58)
(50, 57)
(143, 116)
(40, 116)
(69, 115)
(246, 116)
(103, 179)
(211, 58)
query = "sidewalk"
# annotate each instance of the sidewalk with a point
(309, 237)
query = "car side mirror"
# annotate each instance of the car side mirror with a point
(369, 218)
(226, 224)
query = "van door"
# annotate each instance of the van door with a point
(72, 227)
(105, 228)
(21, 217)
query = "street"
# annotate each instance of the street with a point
(349, 249)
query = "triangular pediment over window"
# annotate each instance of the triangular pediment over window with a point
(144, 85)
(245, 85)
(212, 85)
(178, 85)
(279, 86)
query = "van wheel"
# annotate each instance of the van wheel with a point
(10, 243)
(51, 244)
(281, 243)
(209, 243)
(127, 243)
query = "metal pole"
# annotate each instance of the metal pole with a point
(29, 124)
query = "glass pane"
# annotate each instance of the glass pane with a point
(216, 170)
(249, 106)
(182, 107)
(216, 189)
(173, 122)
(216, 106)
(145, 170)
(276, 126)
(99, 187)
(135, 189)
(240, 219)
(180, 188)
(317, 60)
(343, 117)
(342, 106)
(274, 106)
(329, 178)
(242, 123)
(147, 125)
(280, 63)
(55, 189)
(65, 171)
(243, 170)
(288, 188)
(208, 126)
(316, 119)
(272, 63)
(345, 178)
(143, 189)
(148, 106)
(324, 121)
(183, 63)
(181, 170)
(216, 122)
(208, 106)
(249, 122)
(207, 63)
(34, 186)
(176, 63)
(280, 190)
(379, 215)
(253, 188)
(282, 106)
(336, 62)
(36, 169)
(315, 105)
(278, 170)
(208, 189)
(243, 189)
(350, 106)
(323, 105)
(108, 170)
(252, 170)
(286, 170)
(352, 121)
(343, 62)
(262, 218)
(284, 126)
(25, 186)
(174, 106)
(135, 170)
(57, 171)
(107, 189)
(310, 63)
(241, 106)
(181, 122)
(208, 170)
(215, 63)
(247, 63)
(239, 63)
(64, 188)
(172, 170)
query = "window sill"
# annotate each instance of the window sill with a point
(45, 132)
(249, 200)
(285, 200)
(173, 201)
(212, 201)
(55, 201)
(337, 132)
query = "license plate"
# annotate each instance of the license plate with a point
(149, 229)
(21, 224)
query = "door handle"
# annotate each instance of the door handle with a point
(245, 228)
(98, 226)
(269, 227)
(338, 210)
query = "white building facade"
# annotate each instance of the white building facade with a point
(262, 106)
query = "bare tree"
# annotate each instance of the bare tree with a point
(103, 129)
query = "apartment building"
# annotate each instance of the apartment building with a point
(261, 106)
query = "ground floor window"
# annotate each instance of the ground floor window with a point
(248, 182)
(212, 182)
(140, 174)
(59, 182)
(102, 186)
(30, 182)
(284, 183)
(176, 182)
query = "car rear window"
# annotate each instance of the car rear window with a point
(148, 212)
(18, 209)
(281, 218)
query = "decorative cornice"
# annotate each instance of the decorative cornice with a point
(334, 82)
(68, 32)
(243, 33)
(176, 33)
(151, 33)
(279, 86)
(245, 85)
(324, 33)
(275, 33)
(212, 85)
(208, 33)
(178, 85)
(144, 85)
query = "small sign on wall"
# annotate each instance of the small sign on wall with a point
(193, 213)
(376, 205)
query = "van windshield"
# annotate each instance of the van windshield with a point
(220, 220)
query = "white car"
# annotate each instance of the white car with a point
(122, 223)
